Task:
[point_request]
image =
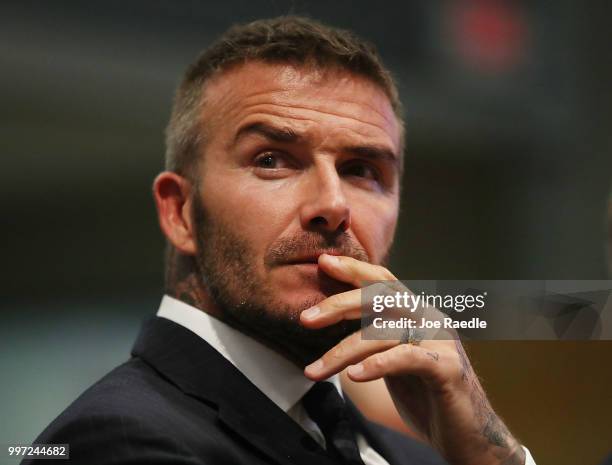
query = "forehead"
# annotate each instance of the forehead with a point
(307, 98)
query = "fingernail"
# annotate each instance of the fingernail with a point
(355, 370)
(315, 366)
(311, 313)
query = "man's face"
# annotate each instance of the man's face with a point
(297, 163)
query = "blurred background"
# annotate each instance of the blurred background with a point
(509, 162)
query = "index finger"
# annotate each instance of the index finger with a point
(344, 306)
(338, 307)
(353, 271)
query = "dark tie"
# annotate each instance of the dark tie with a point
(327, 409)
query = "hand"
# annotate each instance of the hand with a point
(432, 384)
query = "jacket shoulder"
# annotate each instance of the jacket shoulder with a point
(131, 415)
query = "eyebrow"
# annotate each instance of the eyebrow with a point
(273, 133)
(287, 135)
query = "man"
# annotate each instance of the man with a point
(281, 196)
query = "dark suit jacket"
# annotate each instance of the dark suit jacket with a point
(178, 401)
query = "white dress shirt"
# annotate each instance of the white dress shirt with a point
(275, 376)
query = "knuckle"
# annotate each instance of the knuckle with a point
(385, 273)
(338, 352)
(405, 350)
(334, 302)
(378, 361)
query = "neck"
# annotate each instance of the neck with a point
(183, 282)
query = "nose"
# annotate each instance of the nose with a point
(325, 208)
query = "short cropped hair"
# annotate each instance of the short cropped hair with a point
(287, 39)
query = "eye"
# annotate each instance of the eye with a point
(270, 161)
(273, 164)
(360, 170)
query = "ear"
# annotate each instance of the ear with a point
(172, 195)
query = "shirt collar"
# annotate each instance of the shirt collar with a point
(274, 375)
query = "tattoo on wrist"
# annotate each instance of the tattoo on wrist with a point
(495, 431)
(507, 450)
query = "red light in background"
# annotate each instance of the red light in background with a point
(489, 35)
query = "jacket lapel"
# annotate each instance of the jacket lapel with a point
(200, 371)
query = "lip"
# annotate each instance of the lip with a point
(309, 259)
(308, 265)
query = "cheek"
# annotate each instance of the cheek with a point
(256, 210)
(374, 225)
